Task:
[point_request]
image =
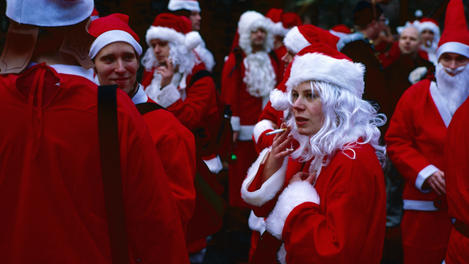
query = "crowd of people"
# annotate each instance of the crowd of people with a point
(329, 138)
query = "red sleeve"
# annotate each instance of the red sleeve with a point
(351, 224)
(154, 228)
(176, 146)
(198, 103)
(401, 134)
(230, 83)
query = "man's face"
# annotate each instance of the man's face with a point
(427, 37)
(117, 63)
(452, 61)
(258, 38)
(195, 19)
(409, 40)
(161, 49)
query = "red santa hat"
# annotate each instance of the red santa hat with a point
(191, 5)
(429, 24)
(335, 68)
(455, 37)
(110, 29)
(249, 21)
(174, 29)
(340, 30)
(94, 14)
(302, 36)
(290, 19)
(283, 21)
(47, 13)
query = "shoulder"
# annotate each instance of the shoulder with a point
(418, 90)
(356, 157)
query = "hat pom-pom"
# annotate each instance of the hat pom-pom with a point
(279, 100)
(192, 40)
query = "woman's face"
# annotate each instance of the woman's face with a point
(307, 108)
(117, 63)
(161, 49)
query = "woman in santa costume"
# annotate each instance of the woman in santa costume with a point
(115, 53)
(175, 80)
(320, 186)
(416, 140)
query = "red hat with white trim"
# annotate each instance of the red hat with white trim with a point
(174, 29)
(302, 36)
(191, 5)
(110, 29)
(455, 37)
(428, 24)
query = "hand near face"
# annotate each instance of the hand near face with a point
(437, 182)
(166, 71)
(281, 148)
(303, 176)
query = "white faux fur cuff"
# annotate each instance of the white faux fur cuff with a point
(269, 188)
(261, 127)
(235, 123)
(256, 223)
(169, 94)
(295, 194)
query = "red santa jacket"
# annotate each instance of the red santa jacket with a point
(415, 138)
(457, 182)
(245, 107)
(51, 193)
(176, 147)
(339, 220)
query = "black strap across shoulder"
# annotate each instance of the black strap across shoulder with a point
(147, 107)
(198, 75)
(111, 173)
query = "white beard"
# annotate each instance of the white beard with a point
(259, 75)
(455, 89)
(154, 89)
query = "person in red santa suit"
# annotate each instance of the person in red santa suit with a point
(416, 140)
(51, 187)
(282, 23)
(249, 74)
(457, 185)
(296, 39)
(430, 33)
(175, 80)
(320, 186)
(191, 9)
(115, 53)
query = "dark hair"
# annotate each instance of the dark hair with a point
(182, 12)
(365, 12)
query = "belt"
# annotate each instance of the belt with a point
(417, 205)
(462, 228)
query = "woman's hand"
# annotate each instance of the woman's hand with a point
(281, 148)
(166, 71)
(303, 176)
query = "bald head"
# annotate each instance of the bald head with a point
(409, 40)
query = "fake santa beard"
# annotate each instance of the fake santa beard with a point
(260, 75)
(454, 88)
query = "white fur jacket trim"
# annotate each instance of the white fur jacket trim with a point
(295, 194)
(269, 188)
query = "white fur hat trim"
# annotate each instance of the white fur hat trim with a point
(429, 25)
(191, 5)
(165, 34)
(192, 40)
(112, 36)
(320, 67)
(295, 41)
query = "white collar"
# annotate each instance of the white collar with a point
(76, 70)
(140, 96)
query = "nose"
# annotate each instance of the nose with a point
(452, 64)
(156, 49)
(120, 67)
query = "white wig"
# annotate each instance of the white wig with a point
(182, 58)
(348, 121)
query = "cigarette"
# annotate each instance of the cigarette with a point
(276, 131)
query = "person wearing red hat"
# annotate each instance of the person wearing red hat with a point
(115, 53)
(320, 185)
(52, 185)
(296, 39)
(430, 33)
(191, 9)
(416, 141)
(175, 80)
(340, 30)
(282, 23)
(249, 74)
(457, 184)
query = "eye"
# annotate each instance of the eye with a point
(128, 57)
(309, 96)
(107, 59)
(294, 96)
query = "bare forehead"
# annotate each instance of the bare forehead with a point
(119, 47)
(410, 32)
